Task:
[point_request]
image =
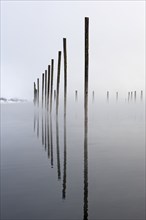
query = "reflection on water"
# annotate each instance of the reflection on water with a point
(97, 160)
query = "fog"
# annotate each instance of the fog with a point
(32, 33)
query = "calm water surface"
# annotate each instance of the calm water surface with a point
(68, 168)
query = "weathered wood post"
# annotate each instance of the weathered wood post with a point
(76, 95)
(54, 94)
(92, 95)
(131, 95)
(51, 92)
(45, 87)
(141, 95)
(51, 141)
(58, 81)
(38, 91)
(65, 73)
(34, 98)
(42, 89)
(48, 93)
(135, 95)
(128, 96)
(86, 65)
(116, 95)
(107, 95)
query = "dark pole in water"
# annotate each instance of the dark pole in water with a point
(48, 87)
(93, 96)
(128, 96)
(45, 87)
(65, 73)
(76, 95)
(116, 95)
(107, 95)
(64, 163)
(58, 80)
(42, 89)
(38, 91)
(135, 95)
(86, 64)
(34, 99)
(131, 95)
(141, 95)
(54, 94)
(51, 93)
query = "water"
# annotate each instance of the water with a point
(68, 168)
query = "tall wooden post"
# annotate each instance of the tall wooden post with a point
(86, 64)
(34, 98)
(38, 91)
(54, 94)
(51, 92)
(58, 81)
(45, 87)
(48, 87)
(65, 73)
(141, 95)
(42, 89)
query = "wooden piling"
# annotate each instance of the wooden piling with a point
(86, 64)
(54, 94)
(64, 184)
(107, 95)
(42, 89)
(65, 73)
(34, 87)
(45, 87)
(38, 91)
(141, 95)
(51, 92)
(116, 95)
(134, 95)
(76, 95)
(128, 96)
(131, 95)
(58, 81)
(48, 92)
(92, 95)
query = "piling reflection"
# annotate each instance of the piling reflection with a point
(45, 133)
(86, 163)
(42, 128)
(64, 162)
(38, 124)
(57, 149)
(48, 136)
(51, 141)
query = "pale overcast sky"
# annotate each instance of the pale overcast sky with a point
(32, 33)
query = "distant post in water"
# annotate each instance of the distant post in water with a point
(34, 98)
(65, 73)
(45, 87)
(38, 91)
(51, 92)
(58, 80)
(141, 95)
(48, 87)
(134, 95)
(54, 94)
(76, 95)
(107, 95)
(42, 89)
(116, 95)
(131, 95)
(92, 95)
(128, 96)
(86, 66)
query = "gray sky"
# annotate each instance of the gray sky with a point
(32, 32)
